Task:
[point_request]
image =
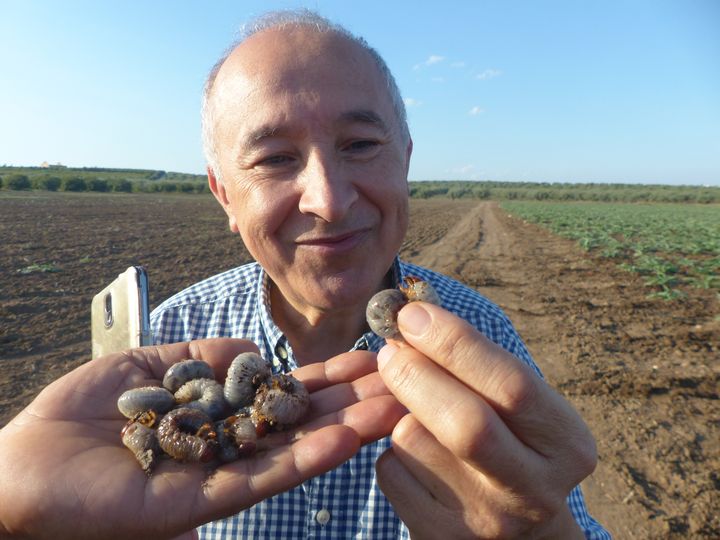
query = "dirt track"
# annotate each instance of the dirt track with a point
(644, 374)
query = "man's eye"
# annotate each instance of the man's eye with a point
(275, 161)
(359, 146)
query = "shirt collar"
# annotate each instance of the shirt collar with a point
(279, 353)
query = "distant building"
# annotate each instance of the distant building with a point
(44, 165)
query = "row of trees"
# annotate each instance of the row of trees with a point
(420, 190)
(565, 192)
(19, 182)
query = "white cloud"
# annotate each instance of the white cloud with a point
(464, 169)
(412, 102)
(488, 74)
(432, 59)
(475, 111)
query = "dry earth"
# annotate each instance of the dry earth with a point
(643, 373)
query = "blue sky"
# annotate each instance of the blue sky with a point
(555, 91)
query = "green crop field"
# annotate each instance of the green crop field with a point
(672, 246)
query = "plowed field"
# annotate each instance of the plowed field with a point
(643, 373)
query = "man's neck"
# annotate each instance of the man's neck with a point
(317, 335)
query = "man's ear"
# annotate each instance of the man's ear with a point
(408, 153)
(218, 190)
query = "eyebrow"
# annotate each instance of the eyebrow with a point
(362, 116)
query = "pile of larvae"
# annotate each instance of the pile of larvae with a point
(187, 418)
(192, 417)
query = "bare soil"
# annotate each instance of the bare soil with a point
(643, 373)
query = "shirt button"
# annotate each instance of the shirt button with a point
(281, 352)
(322, 517)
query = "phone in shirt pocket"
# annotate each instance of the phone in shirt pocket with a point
(120, 314)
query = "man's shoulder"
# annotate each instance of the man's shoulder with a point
(236, 282)
(473, 307)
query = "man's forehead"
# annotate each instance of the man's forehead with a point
(319, 76)
(293, 52)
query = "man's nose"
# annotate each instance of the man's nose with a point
(326, 188)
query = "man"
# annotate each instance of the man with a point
(308, 153)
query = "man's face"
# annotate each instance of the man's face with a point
(313, 164)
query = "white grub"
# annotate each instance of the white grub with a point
(185, 371)
(280, 403)
(148, 398)
(382, 309)
(420, 291)
(191, 431)
(236, 437)
(246, 373)
(203, 394)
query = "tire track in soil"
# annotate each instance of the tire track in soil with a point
(636, 371)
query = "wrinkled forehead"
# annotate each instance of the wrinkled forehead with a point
(282, 63)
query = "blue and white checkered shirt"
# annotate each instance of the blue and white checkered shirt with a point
(345, 502)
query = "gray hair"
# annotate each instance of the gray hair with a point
(292, 19)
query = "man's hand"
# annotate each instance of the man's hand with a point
(65, 473)
(488, 450)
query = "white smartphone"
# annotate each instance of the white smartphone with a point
(120, 314)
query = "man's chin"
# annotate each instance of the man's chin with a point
(339, 290)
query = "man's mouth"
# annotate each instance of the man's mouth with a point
(334, 242)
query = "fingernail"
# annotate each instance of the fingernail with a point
(413, 319)
(385, 354)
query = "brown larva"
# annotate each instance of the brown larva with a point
(187, 434)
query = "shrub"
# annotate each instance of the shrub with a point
(201, 187)
(18, 182)
(121, 185)
(187, 187)
(97, 184)
(74, 183)
(48, 183)
(169, 187)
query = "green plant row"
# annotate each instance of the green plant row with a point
(19, 182)
(671, 245)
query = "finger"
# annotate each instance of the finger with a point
(432, 464)
(341, 395)
(412, 502)
(343, 368)
(459, 418)
(535, 413)
(371, 419)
